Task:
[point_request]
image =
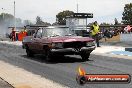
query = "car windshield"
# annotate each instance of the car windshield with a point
(58, 32)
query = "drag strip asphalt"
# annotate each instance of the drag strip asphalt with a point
(63, 70)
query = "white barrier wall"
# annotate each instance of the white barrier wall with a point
(126, 38)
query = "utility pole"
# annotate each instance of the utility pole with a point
(14, 15)
(77, 6)
(3, 13)
(77, 12)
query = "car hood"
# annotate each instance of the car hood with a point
(71, 39)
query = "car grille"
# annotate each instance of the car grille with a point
(74, 44)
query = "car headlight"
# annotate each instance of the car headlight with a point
(90, 44)
(57, 45)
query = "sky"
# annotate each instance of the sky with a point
(103, 10)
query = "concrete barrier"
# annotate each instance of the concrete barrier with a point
(128, 49)
(114, 38)
(126, 38)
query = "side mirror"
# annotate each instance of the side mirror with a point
(39, 36)
(34, 35)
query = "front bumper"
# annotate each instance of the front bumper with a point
(23, 47)
(71, 51)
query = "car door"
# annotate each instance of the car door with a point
(37, 41)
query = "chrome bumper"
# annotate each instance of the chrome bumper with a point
(73, 50)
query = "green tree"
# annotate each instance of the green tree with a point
(61, 17)
(39, 21)
(55, 24)
(116, 22)
(105, 24)
(27, 22)
(6, 18)
(18, 22)
(127, 14)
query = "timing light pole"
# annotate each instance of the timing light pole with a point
(14, 15)
(77, 6)
(3, 13)
(77, 12)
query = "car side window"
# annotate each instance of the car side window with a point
(39, 33)
(44, 33)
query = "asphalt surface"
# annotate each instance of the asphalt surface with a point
(63, 70)
(4, 84)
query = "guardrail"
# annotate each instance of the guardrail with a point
(126, 37)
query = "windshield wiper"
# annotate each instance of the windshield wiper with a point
(54, 35)
(69, 34)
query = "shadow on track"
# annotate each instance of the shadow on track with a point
(55, 59)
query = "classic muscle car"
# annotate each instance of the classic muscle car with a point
(51, 41)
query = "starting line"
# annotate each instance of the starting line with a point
(125, 53)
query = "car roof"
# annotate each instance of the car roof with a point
(47, 27)
(52, 27)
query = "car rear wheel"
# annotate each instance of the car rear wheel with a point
(29, 53)
(47, 55)
(85, 56)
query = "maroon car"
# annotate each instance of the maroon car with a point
(58, 41)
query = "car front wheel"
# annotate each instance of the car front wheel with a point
(47, 55)
(29, 53)
(85, 56)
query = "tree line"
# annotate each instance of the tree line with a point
(126, 16)
(8, 19)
